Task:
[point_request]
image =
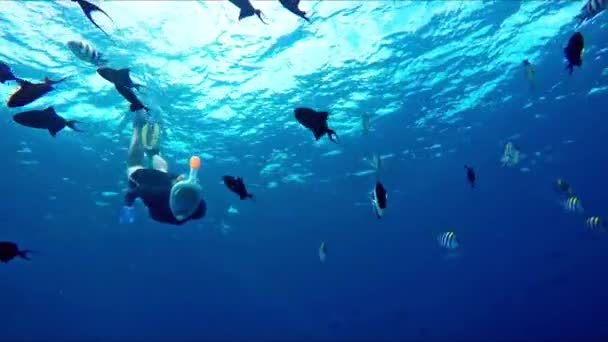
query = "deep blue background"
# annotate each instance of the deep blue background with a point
(526, 267)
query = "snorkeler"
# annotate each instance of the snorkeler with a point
(170, 198)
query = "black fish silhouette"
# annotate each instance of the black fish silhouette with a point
(120, 77)
(6, 74)
(9, 251)
(574, 51)
(129, 95)
(247, 9)
(45, 119)
(292, 6)
(316, 122)
(470, 175)
(29, 92)
(88, 8)
(379, 198)
(237, 186)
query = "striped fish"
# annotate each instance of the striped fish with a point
(448, 241)
(573, 204)
(591, 9)
(595, 223)
(86, 53)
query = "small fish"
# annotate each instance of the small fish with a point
(9, 251)
(86, 53)
(595, 223)
(247, 9)
(6, 74)
(365, 124)
(562, 187)
(448, 241)
(470, 175)
(378, 197)
(376, 164)
(591, 9)
(529, 73)
(573, 204)
(129, 95)
(574, 51)
(322, 252)
(29, 92)
(45, 119)
(120, 77)
(237, 186)
(315, 122)
(511, 155)
(293, 7)
(88, 8)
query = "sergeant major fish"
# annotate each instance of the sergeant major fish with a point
(573, 204)
(86, 53)
(591, 9)
(448, 241)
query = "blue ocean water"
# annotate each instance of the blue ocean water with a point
(444, 86)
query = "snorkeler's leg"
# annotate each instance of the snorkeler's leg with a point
(135, 157)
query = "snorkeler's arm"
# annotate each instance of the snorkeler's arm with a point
(130, 197)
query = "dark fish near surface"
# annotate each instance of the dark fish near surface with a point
(120, 77)
(9, 251)
(574, 51)
(316, 122)
(247, 9)
(88, 8)
(378, 198)
(29, 92)
(470, 175)
(237, 186)
(45, 119)
(292, 6)
(6, 74)
(129, 95)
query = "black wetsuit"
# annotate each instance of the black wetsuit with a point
(154, 188)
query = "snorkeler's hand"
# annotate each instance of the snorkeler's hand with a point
(127, 214)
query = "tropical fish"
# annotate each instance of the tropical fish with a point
(293, 7)
(6, 74)
(448, 241)
(247, 9)
(470, 175)
(529, 73)
(322, 252)
(9, 251)
(596, 223)
(511, 155)
(86, 52)
(120, 77)
(574, 51)
(562, 187)
(573, 204)
(45, 119)
(88, 8)
(129, 95)
(591, 9)
(237, 186)
(29, 92)
(378, 197)
(316, 122)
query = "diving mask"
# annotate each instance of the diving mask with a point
(186, 194)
